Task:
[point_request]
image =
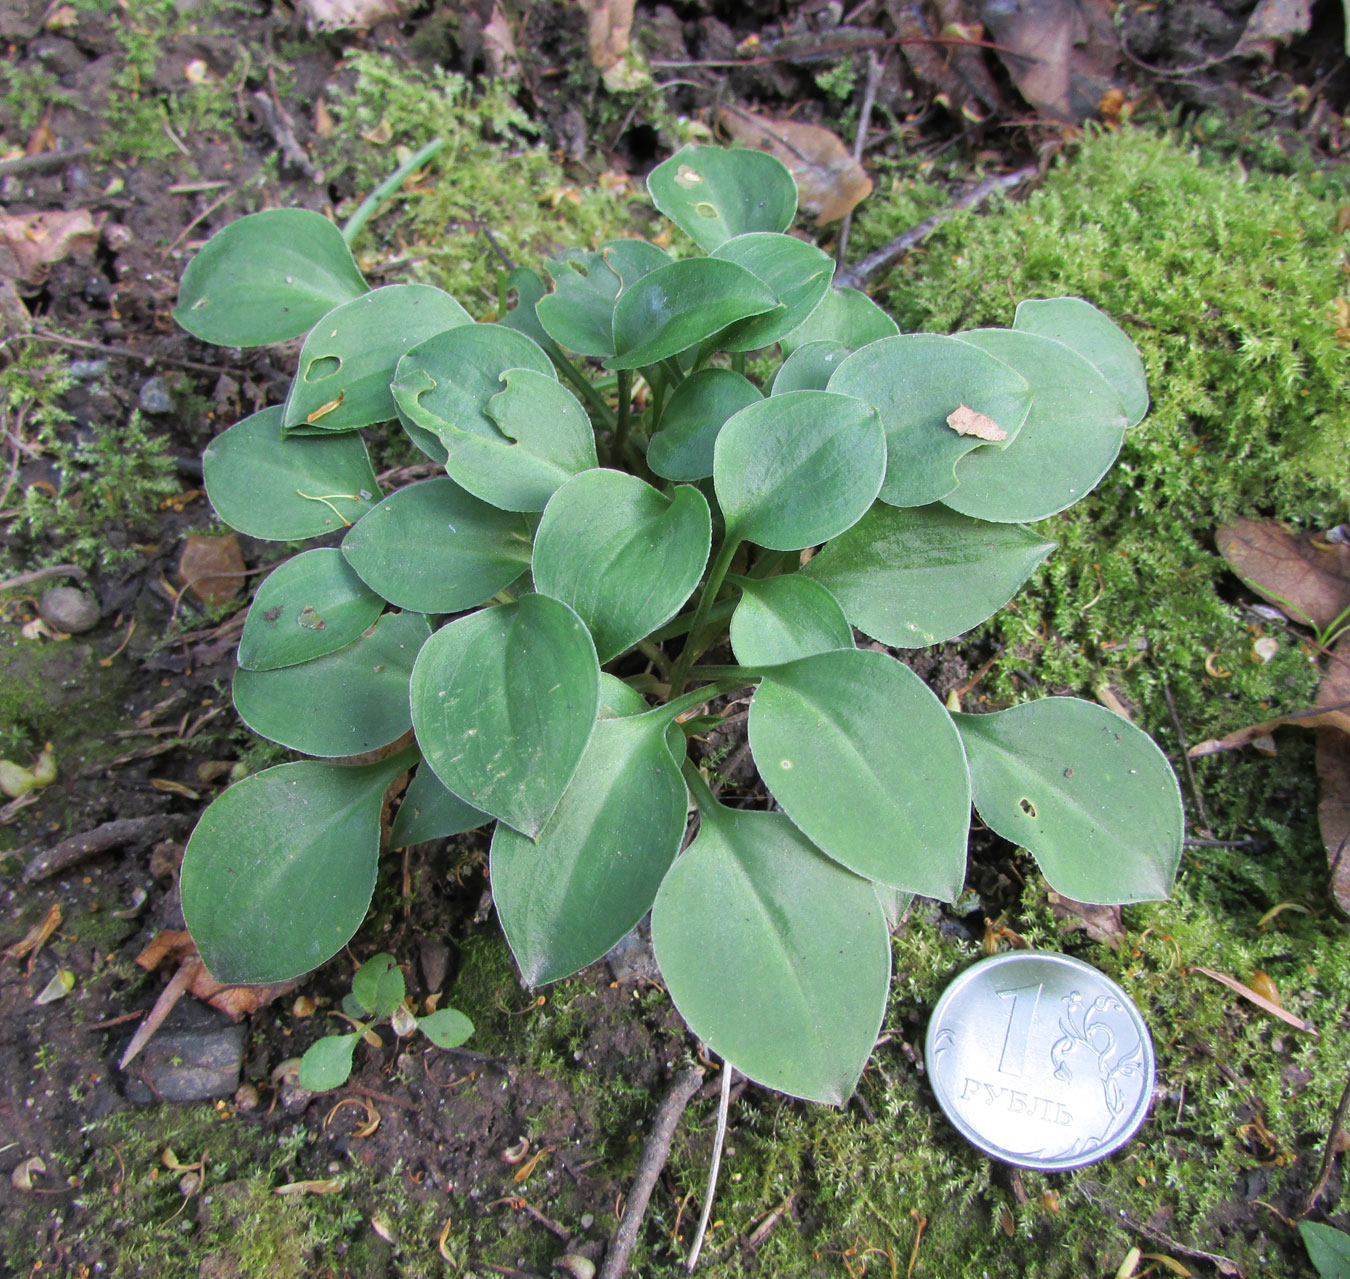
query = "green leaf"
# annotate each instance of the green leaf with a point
(784, 618)
(797, 272)
(845, 316)
(579, 313)
(697, 410)
(286, 490)
(715, 193)
(348, 361)
(621, 554)
(345, 703)
(1328, 1249)
(617, 699)
(809, 368)
(327, 1062)
(446, 1028)
(378, 985)
(278, 875)
(311, 605)
(864, 759)
(504, 702)
(523, 317)
(922, 575)
(777, 958)
(433, 548)
(600, 859)
(1098, 339)
(1070, 438)
(915, 381)
(630, 260)
(798, 469)
(894, 904)
(1090, 796)
(267, 277)
(682, 304)
(429, 811)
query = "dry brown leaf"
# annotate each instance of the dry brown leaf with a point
(1101, 923)
(329, 15)
(966, 421)
(236, 1002)
(1307, 577)
(211, 568)
(31, 243)
(1061, 54)
(1332, 716)
(327, 1186)
(1260, 1001)
(1273, 23)
(830, 182)
(499, 45)
(609, 31)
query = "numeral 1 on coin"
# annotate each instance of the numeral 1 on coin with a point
(1021, 1017)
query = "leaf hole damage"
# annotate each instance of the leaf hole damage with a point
(706, 210)
(1027, 806)
(324, 366)
(688, 177)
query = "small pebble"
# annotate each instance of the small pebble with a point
(87, 370)
(156, 396)
(69, 609)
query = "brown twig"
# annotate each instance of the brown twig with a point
(179, 984)
(37, 574)
(654, 1155)
(1329, 1154)
(70, 852)
(83, 344)
(382, 1096)
(23, 165)
(875, 66)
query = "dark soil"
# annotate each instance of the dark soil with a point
(138, 709)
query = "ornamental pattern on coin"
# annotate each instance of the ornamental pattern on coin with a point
(1040, 1060)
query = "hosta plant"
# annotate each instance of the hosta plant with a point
(629, 534)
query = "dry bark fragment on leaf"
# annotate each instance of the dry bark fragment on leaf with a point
(211, 569)
(31, 243)
(330, 15)
(830, 182)
(1307, 577)
(966, 421)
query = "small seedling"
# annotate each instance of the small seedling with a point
(528, 631)
(377, 995)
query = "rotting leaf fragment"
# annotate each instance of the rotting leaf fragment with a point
(966, 421)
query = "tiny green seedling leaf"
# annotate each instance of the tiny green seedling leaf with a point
(378, 986)
(1090, 796)
(446, 1028)
(714, 193)
(267, 277)
(327, 1062)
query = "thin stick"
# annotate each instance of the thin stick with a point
(719, 1140)
(654, 1155)
(23, 165)
(1186, 756)
(37, 574)
(874, 69)
(366, 209)
(1329, 1154)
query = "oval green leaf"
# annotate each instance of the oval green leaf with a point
(697, 410)
(1088, 794)
(777, 957)
(433, 548)
(267, 277)
(915, 381)
(523, 317)
(278, 875)
(798, 273)
(595, 869)
(621, 554)
(579, 313)
(446, 1027)
(865, 760)
(378, 985)
(504, 702)
(311, 605)
(680, 305)
(783, 618)
(345, 703)
(429, 811)
(1069, 441)
(286, 490)
(845, 316)
(809, 368)
(798, 469)
(715, 193)
(922, 575)
(1098, 339)
(327, 1062)
(348, 361)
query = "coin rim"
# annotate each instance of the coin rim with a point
(958, 985)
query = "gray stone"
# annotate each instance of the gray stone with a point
(194, 1056)
(69, 609)
(156, 396)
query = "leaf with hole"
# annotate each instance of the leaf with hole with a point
(579, 311)
(777, 957)
(345, 703)
(503, 702)
(621, 554)
(1090, 796)
(267, 277)
(1068, 442)
(593, 873)
(697, 410)
(866, 762)
(311, 605)
(251, 866)
(922, 575)
(783, 618)
(348, 361)
(429, 811)
(915, 381)
(713, 193)
(286, 490)
(681, 305)
(798, 469)
(433, 548)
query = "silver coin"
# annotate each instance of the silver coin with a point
(1040, 1060)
